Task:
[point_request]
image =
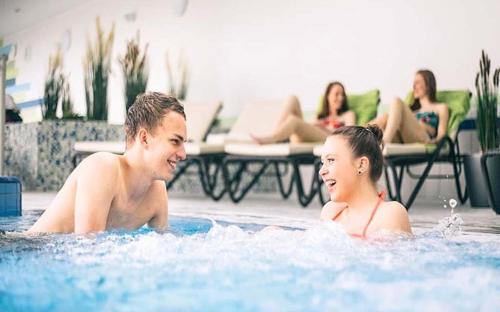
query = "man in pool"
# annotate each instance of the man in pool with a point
(108, 191)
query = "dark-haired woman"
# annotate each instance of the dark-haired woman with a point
(425, 121)
(334, 113)
(352, 164)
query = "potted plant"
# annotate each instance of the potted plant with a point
(53, 87)
(178, 89)
(135, 71)
(487, 120)
(480, 169)
(97, 68)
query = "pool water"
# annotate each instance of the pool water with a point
(205, 265)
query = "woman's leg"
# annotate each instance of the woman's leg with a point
(296, 129)
(402, 119)
(291, 108)
(380, 121)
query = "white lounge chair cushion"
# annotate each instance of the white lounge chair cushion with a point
(201, 148)
(318, 150)
(269, 150)
(118, 147)
(199, 118)
(397, 149)
(258, 118)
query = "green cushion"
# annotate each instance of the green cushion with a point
(458, 103)
(363, 105)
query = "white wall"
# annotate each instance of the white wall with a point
(240, 50)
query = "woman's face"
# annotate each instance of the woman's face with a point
(419, 87)
(339, 171)
(335, 97)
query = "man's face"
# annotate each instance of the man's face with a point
(166, 146)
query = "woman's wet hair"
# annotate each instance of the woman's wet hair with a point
(325, 107)
(365, 141)
(430, 85)
(148, 111)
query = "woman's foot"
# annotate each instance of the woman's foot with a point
(261, 140)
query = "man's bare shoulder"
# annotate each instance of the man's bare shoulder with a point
(100, 164)
(159, 191)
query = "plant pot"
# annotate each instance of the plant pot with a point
(490, 163)
(476, 183)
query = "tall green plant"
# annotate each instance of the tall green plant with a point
(53, 86)
(97, 68)
(178, 88)
(67, 104)
(487, 96)
(135, 71)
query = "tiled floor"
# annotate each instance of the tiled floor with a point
(270, 209)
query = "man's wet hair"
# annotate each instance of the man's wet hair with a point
(147, 112)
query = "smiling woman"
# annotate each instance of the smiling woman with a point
(352, 164)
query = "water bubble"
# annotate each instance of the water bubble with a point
(453, 203)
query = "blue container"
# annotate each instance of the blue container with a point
(10, 197)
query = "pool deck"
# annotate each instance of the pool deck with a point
(271, 209)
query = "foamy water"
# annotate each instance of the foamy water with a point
(209, 266)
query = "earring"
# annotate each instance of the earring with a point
(360, 172)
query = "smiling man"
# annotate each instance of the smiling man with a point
(108, 191)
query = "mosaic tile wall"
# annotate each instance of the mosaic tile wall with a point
(40, 154)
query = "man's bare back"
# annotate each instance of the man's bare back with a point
(107, 171)
(108, 191)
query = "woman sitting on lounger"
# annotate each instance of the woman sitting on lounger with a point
(425, 121)
(352, 164)
(334, 113)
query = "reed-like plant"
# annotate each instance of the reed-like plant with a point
(178, 88)
(67, 104)
(135, 71)
(487, 102)
(53, 86)
(97, 68)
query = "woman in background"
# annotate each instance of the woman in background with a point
(333, 114)
(425, 121)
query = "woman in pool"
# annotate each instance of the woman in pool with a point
(334, 113)
(352, 164)
(425, 121)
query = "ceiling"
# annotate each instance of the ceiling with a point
(17, 15)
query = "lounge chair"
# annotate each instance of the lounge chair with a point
(401, 157)
(245, 159)
(282, 157)
(203, 155)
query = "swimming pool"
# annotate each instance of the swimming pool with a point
(204, 265)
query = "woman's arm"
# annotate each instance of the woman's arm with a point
(443, 114)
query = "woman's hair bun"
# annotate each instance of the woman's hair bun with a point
(377, 132)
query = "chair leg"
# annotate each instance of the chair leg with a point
(457, 169)
(394, 193)
(285, 193)
(233, 182)
(304, 199)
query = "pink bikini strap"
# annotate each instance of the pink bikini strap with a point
(373, 214)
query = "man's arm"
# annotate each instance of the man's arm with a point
(95, 190)
(160, 199)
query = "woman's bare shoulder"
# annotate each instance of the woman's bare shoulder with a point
(331, 209)
(394, 216)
